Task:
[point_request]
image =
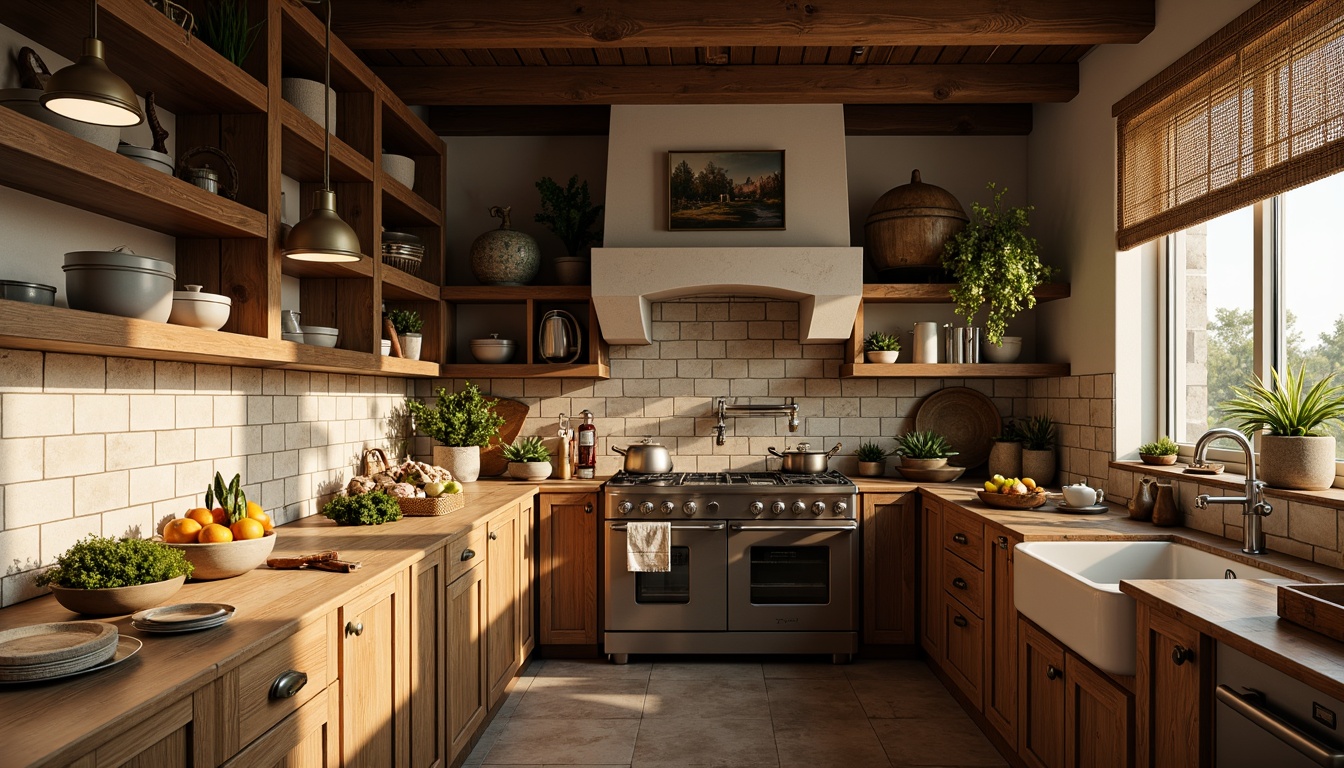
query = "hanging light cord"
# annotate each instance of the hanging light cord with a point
(326, 100)
(94, 3)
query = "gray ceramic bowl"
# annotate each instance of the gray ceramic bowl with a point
(33, 293)
(119, 283)
(319, 335)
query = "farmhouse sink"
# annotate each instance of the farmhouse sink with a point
(1072, 589)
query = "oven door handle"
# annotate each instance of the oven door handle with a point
(749, 527)
(1248, 707)
(675, 527)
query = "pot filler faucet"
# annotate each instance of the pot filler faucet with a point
(1253, 504)
(723, 409)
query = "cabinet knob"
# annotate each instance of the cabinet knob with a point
(355, 628)
(467, 554)
(587, 509)
(960, 538)
(960, 620)
(1052, 672)
(959, 583)
(1180, 654)
(290, 682)
(1003, 542)
(494, 536)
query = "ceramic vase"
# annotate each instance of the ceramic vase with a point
(571, 270)
(1299, 463)
(504, 256)
(1005, 458)
(463, 462)
(410, 344)
(1039, 465)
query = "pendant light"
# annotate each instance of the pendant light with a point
(323, 236)
(89, 92)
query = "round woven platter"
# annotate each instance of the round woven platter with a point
(966, 418)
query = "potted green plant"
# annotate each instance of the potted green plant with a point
(408, 323)
(996, 265)
(462, 423)
(1005, 456)
(108, 577)
(1159, 453)
(226, 29)
(923, 450)
(879, 347)
(1038, 449)
(569, 213)
(528, 459)
(1296, 452)
(872, 460)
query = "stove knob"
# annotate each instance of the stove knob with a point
(777, 508)
(756, 508)
(625, 507)
(798, 507)
(841, 507)
(689, 508)
(668, 507)
(646, 508)
(818, 508)
(712, 507)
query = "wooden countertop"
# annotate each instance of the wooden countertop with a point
(53, 722)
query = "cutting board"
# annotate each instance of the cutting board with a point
(492, 457)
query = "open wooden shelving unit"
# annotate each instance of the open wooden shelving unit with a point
(233, 246)
(937, 293)
(532, 302)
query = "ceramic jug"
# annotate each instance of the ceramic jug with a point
(1165, 510)
(1141, 506)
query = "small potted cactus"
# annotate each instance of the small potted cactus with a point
(872, 460)
(528, 459)
(881, 347)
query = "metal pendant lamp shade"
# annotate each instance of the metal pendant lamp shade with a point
(323, 236)
(90, 92)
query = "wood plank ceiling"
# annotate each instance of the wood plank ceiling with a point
(900, 66)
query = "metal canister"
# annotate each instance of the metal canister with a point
(970, 341)
(206, 179)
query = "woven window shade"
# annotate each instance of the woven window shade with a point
(1254, 111)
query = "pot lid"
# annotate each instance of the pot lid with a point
(193, 293)
(118, 257)
(916, 199)
(401, 237)
(648, 442)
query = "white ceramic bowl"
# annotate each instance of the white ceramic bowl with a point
(492, 350)
(227, 559)
(1012, 347)
(320, 336)
(307, 96)
(208, 311)
(401, 168)
(297, 338)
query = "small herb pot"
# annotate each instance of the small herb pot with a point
(886, 356)
(1158, 461)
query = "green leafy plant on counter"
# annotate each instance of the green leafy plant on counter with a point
(1286, 410)
(996, 265)
(569, 213)
(1010, 433)
(406, 320)
(95, 562)
(1164, 446)
(458, 420)
(924, 445)
(527, 449)
(372, 508)
(878, 341)
(226, 30)
(872, 452)
(1038, 433)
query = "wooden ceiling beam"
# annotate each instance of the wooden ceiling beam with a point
(731, 84)
(672, 23)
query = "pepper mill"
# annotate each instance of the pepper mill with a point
(1141, 506)
(1166, 513)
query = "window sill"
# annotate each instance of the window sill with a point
(1333, 497)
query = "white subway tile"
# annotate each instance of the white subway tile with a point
(246, 440)
(40, 502)
(151, 484)
(102, 413)
(174, 378)
(20, 549)
(709, 350)
(736, 387)
(765, 329)
(59, 536)
(787, 388)
(729, 331)
(676, 310)
(194, 411)
(192, 478)
(231, 465)
(230, 410)
(20, 460)
(297, 382)
(677, 350)
(153, 412)
(20, 371)
(73, 455)
(214, 380)
(259, 409)
(214, 443)
(273, 382)
(36, 415)
(730, 369)
(746, 310)
(129, 522)
(260, 467)
(297, 435)
(284, 409)
(174, 446)
(641, 387)
(99, 493)
(74, 373)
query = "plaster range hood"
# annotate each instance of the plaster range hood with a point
(827, 283)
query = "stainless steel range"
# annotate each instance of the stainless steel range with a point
(762, 562)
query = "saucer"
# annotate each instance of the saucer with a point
(1090, 509)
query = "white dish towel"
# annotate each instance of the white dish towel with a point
(648, 547)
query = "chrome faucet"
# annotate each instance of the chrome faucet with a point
(1253, 504)
(723, 409)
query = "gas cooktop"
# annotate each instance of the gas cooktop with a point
(727, 480)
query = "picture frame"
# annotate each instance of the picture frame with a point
(725, 190)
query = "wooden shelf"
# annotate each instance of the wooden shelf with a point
(301, 151)
(50, 163)
(521, 371)
(305, 56)
(341, 269)
(402, 130)
(404, 208)
(506, 293)
(941, 293)
(401, 286)
(952, 370)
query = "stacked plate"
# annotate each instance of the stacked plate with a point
(47, 651)
(403, 251)
(184, 617)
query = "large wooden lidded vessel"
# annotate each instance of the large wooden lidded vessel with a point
(907, 227)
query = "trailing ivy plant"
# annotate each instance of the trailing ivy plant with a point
(996, 265)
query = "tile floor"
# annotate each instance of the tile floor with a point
(870, 714)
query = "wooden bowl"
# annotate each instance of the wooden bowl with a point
(1160, 461)
(227, 559)
(117, 600)
(1012, 500)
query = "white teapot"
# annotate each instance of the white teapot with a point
(1080, 494)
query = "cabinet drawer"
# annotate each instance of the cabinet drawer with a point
(963, 650)
(259, 708)
(466, 552)
(964, 536)
(965, 584)
(304, 739)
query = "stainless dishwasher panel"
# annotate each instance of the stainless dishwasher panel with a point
(1254, 702)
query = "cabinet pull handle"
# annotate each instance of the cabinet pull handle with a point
(960, 620)
(959, 583)
(1052, 672)
(960, 538)
(1180, 654)
(494, 536)
(467, 554)
(1003, 542)
(290, 682)
(355, 628)
(587, 509)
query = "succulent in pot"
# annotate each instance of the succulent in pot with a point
(872, 459)
(881, 347)
(1038, 449)
(923, 450)
(528, 459)
(408, 323)
(107, 577)
(462, 423)
(1161, 452)
(1296, 452)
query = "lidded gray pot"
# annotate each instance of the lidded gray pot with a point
(119, 282)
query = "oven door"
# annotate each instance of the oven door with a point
(794, 576)
(691, 597)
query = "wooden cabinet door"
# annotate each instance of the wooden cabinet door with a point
(466, 659)
(167, 738)
(1000, 635)
(1173, 685)
(375, 663)
(568, 525)
(305, 739)
(527, 580)
(501, 601)
(964, 650)
(428, 678)
(890, 524)
(931, 573)
(1040, 713)
(1098, 719)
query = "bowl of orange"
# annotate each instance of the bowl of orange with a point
(220, 550)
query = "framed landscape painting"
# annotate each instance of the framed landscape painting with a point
(725, 190)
